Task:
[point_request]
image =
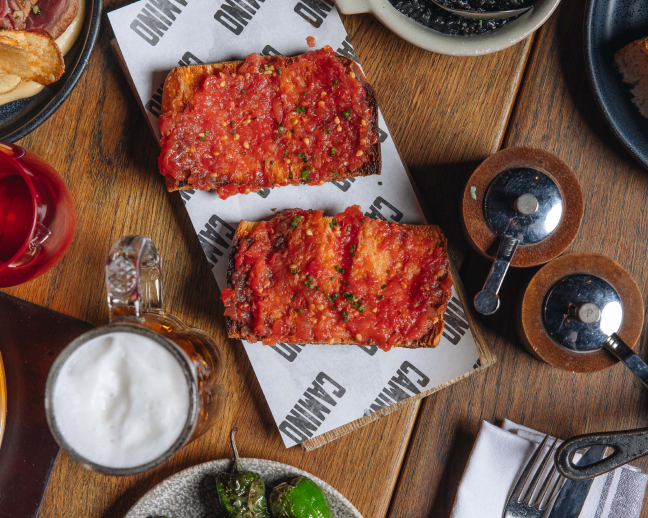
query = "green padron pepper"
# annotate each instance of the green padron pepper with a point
(241, 493)
(302, 498)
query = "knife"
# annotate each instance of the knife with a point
(572, 496)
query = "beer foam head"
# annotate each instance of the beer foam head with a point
(121, 400)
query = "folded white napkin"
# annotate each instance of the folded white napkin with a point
(498, 458)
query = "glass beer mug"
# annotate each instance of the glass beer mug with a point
(123, 398)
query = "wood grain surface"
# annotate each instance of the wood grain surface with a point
(555, 110)
(446, 115)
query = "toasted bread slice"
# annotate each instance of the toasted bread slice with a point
(432, 232)
(31, 56)
(632, 63)
(183, 82)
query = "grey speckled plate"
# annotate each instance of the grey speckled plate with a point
(192, 493)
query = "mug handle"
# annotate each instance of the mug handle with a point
(134, 278)
(626, 446)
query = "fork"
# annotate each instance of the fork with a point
(521, 503)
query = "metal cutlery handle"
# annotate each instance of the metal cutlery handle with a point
(627, 446)
(620, 349)
(487, 300)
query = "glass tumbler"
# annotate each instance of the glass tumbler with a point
(37, 217)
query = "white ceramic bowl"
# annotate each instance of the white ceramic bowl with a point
(429, 39)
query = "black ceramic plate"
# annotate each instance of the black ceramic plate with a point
(20, 117)
(609, 26)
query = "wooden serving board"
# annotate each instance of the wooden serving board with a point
(486, 357)
(31, 337)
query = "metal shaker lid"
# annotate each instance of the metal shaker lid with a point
(528, 194)
(581, 311)
(523, 203)
(573, 304)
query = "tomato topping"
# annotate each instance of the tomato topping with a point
(302, 277)
(271, 123)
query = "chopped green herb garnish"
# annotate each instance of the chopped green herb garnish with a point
(346, 113)
(342, 271)
(304, 94)
(308, 180)
(336, 82)
(332, 151)
(380, 297)
(279, 71)
(379, 183)
(255, 118)
(234, 132)
(337, 268)
(295, 221)
(363, 220)
(290, 176)
(301, 310)
(266, 67)
(349, 229)
(332, 279)
(242, 91)
(295, 296)
(232, 124)
(271, 162)
(300, 109)
(334, 173)
(310, 278)
(305, 173)
(346, 319)
(201, 139)
(383, 286)
(317, 289)
(206, 133)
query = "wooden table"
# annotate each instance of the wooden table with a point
(446, 115)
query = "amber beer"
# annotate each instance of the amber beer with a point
(123, 398)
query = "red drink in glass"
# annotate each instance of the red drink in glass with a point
(37, 217)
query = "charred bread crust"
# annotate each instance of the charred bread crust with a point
(433, 232)
(183, 82)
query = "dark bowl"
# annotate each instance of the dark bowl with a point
(609, 26)
(19, 118)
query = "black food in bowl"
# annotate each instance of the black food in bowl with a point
(432, 16)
